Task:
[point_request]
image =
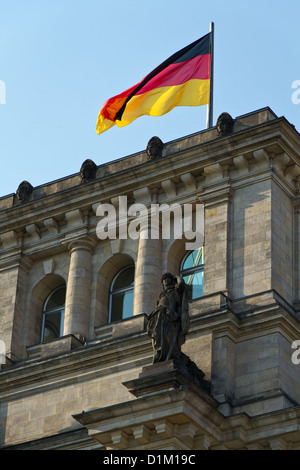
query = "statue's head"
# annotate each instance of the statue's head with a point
(168, 279)
(88, 170)
(225, 124)
(154, 148)
(23, 192)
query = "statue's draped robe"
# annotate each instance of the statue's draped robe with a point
(169, 322)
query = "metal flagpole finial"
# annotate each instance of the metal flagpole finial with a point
(209, 116)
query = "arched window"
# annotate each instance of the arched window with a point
(192, 271)
(53, 315)
(121, 295)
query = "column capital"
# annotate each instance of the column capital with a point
(85, 243)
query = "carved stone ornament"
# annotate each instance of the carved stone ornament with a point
(225, 124)
(154, 148)
(23, 192)
(88, 170)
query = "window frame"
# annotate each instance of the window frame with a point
(194, 269)
(119, 291)
(53, 311)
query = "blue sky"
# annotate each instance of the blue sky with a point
(60, 60)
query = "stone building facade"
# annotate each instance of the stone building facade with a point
(76, 365)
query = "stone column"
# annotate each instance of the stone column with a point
(148, 267)
(147, 274)
(78, 295)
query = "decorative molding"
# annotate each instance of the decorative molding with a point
(74, 218)
(143, 195)
(34, 231)
(9, 239)
(51, 225)
(189, 181)
(262, 158)
(49, 266)
(292, 172)
(213, 173)
(241, 164)
(116, 245)
(169, 187)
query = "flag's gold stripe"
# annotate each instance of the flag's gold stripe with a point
(160, 101)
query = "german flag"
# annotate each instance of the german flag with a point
(181, 80)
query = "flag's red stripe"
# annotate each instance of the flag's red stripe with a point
(112, 105)
(176, 74)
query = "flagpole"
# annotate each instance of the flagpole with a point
(209, 114)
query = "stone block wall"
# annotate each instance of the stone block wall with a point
(251, 263)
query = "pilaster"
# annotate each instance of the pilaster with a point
(217, 232)
(13, 290)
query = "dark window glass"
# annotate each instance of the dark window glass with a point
(124, 279)
(56, 299)
(53, 315)
(121, 295)
(52, 326)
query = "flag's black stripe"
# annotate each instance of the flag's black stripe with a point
(199, 47)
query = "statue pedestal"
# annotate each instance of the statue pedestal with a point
(172, 410)
(173, 374)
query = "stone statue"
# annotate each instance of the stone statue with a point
(225, 124)
(169, 322)
(23, 192)
(88, 170)
(154, 148)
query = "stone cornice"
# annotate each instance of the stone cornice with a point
(86, 363)
(181, 418)
(187, 157)
(240, 158)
